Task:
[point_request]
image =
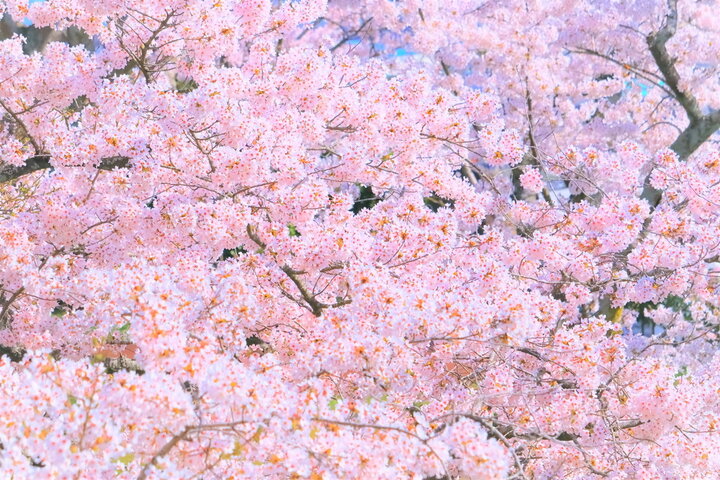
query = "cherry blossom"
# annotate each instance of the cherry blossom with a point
(369, 239)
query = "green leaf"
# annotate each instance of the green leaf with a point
(124, 328)
(293, 230)
(333, 403)
(125, 459)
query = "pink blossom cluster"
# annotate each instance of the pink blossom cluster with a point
(249, 239)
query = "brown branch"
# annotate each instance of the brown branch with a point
(114, 365)
(16, 117)
(140, 59)
(15, 354)
(701, 126)
(367, 425)
(696, 134)
(493, 432)
(657, 42)
(9, 173)
(422, 440)
(334, 266)
(254, 237)
(145, 49)
(531, 158)
(351, 34)
(6, 307)
(588, 463)
(313, 304)
(508, 431)
(32, 164)
(164, 451)
(182, 436)
(644, 74)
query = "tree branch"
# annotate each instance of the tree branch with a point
(16, 117)
(8, 173)
(696, 134)
(657, 42)
(6, 307)
(189, 429)
(163, 451)
(701, 126)
(313, 304)
(316, 306)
